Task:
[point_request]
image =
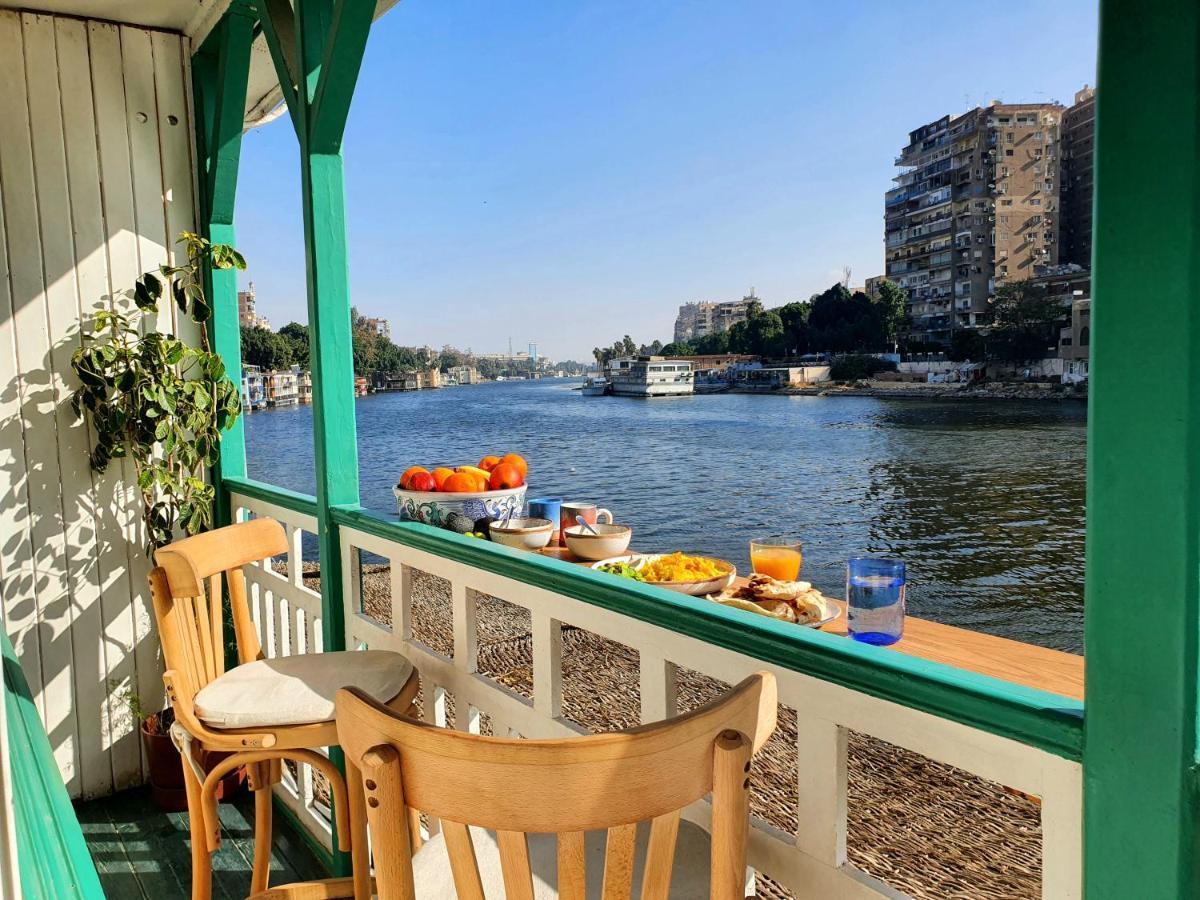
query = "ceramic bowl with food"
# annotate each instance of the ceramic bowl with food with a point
(609, 540)
(434, 507)
(523, 534)
(711, 575)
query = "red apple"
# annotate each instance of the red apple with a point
(422, 481)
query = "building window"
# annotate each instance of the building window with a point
(1007, 202)
(1008, 152)
(1008, 137)
(1035, 201)
(1085, 336)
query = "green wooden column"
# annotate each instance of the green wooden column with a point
(317, 51)
(1141, 802)
(219, 72)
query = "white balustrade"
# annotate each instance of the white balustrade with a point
(812, 860)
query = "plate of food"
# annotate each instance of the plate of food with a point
(789, 601)
(683, 572)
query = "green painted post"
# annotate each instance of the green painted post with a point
(219, 74)
(1141, 802)
(317, 51)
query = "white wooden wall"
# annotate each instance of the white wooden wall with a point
(95, 182)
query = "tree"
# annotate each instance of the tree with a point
(967, 345)
(891, 307)
(262, 347)
(1026, 321)
(296, 336)
(677, 348)
(628, 347)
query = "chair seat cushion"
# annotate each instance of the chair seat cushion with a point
(298, 690)
(689, 878)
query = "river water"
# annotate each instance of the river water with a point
(983, 500)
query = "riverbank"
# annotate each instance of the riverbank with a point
(901, 390)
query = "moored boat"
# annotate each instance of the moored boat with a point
(649, 376)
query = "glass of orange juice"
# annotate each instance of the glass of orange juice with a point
(779, 557)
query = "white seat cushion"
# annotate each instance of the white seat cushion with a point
(298, 690)
(689, 878)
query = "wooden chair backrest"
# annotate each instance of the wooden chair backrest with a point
(186, 589)
(569, 786)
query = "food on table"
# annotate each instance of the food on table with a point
(461, 483)
(422, 481)
(792, 601)
(681, 567)
(622, 569)
(456, 521)
(409, 473)
(468, 479)
(517, 460)
(505, 475)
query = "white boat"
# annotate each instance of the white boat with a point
(595, 386)
(649, 376)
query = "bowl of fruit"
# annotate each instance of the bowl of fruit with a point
(458, 497)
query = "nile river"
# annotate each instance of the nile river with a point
(983, 500)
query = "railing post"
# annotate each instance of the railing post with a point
(1140, 745)
(219, 72)
(317, 50)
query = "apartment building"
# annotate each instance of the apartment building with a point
(1078, 135)
(696, 320)
(248, 315)
(380, 326)
(976, 204)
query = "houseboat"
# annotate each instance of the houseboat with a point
(649, 376)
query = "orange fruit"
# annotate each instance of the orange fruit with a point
(517, 460)
(489, 462)
(506, 475)
(409, 473)
(440, 474)
(461, 483)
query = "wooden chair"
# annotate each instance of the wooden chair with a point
(530, 792)
(261, 711)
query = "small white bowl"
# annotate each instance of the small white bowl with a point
(611, 540)
(523, 534)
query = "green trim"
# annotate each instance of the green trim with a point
(219, 74)
(52, 855)
(269, 493)
(323, 856)
(1037, 718)
(278, 23)
(340, 64)
(1141, 836)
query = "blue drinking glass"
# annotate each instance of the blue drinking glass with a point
(875, 598)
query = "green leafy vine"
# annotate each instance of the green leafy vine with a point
(153, 399)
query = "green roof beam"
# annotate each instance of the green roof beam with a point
(340, 65)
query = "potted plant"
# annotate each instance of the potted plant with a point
(163, 404)
(165, 762)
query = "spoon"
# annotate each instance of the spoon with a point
(585, 525)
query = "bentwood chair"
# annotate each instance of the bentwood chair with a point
(262, 711)
(529, 814)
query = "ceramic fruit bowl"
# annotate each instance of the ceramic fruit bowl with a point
(433, 507)
(523, 534)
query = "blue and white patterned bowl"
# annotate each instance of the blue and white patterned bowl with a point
(432, 507)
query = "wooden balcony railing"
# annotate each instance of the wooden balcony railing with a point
(1025, 739)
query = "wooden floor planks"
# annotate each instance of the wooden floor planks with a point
(142, 852)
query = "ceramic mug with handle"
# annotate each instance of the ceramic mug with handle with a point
(589, 512)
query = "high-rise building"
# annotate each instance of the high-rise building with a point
(696, 320)
(1078, 135)
(248, 316)
(976, 204)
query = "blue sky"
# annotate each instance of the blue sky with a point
(569, 172)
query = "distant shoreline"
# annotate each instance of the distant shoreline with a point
(891, 390)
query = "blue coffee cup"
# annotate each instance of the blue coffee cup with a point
(547, 508)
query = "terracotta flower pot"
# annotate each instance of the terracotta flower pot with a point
(166, 770)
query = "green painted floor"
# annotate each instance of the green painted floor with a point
(141, 851)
